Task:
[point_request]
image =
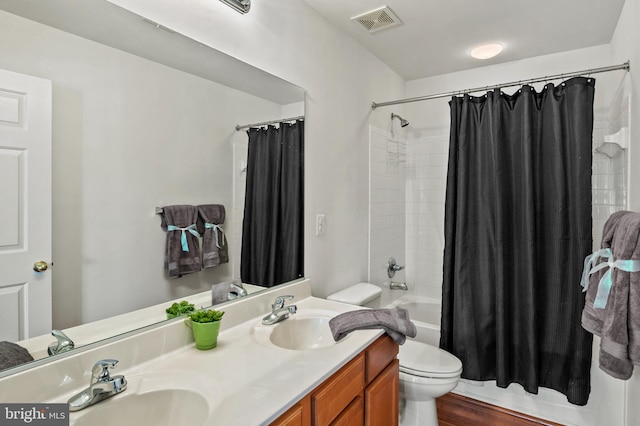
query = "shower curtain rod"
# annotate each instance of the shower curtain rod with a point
(265, 123)
(625, 66)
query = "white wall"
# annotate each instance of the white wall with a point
(128, 135)
(430, 122)
(289, 39)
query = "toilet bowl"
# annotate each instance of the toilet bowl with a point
(426, 372)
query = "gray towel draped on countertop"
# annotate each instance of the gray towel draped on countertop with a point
(395, 322)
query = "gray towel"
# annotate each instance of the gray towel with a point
(178, 261)
(12, 355)
(620, 334)
(214, 242)
(395, 322)
(592, 319)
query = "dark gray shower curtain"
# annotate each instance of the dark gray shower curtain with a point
(517, 229)
(272, 229)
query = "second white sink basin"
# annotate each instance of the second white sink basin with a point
(158, 407)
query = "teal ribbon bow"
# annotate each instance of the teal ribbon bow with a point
(589, 262)
(606, 282)
(216, 229)
(183, 237)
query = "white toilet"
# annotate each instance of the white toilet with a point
(426, 372)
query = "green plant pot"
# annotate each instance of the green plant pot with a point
(205, 334)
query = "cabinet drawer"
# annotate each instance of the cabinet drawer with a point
(353, 415)
(337, 392)
(379, 355)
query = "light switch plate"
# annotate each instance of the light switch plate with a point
(321, 225)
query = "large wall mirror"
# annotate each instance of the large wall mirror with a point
(143, 117)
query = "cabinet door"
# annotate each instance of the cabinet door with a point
(298, 415)
(381, 397)
(353, 415)
(334, 395)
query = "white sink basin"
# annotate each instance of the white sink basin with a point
(157, 407)
(300, 332)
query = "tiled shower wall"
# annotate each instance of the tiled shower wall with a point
(609, 180)
(426, 183)
(387, 208)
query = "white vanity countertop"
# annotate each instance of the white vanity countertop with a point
(248, 382)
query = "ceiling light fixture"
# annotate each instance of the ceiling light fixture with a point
(241, 6)
(486, 51)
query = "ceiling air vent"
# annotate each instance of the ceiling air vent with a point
(378, 19)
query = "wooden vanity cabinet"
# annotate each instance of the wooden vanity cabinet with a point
(363, 392)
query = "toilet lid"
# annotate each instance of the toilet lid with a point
(421, 359)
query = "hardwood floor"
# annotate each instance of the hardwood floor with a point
(458, 410)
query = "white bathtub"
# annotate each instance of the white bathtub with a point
(425, 314)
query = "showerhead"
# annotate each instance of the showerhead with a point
(403, 122)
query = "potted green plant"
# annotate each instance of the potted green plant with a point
(205, 326)
(178, 309)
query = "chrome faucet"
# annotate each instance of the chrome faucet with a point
(101, 386)
(62, 343)
(279, 312)
(236, 292)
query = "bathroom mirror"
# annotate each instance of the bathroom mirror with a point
(143, 117)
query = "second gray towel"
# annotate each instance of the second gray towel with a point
(214, 243)
(395, 322)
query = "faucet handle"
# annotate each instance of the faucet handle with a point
(279, 302)
(393, 267)
(100, 370)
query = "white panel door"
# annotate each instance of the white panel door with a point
(25, 206)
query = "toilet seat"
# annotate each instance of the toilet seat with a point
(423, 360)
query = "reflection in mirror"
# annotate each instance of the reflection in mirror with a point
(143, 117)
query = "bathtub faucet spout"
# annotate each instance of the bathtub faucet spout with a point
(398, 286)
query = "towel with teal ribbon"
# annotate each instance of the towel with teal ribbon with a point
(182, 251)
(214, 242)
(605, 283)
(611, 279)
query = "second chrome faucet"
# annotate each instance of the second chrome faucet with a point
(279, 312)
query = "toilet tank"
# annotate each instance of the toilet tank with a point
(357, 294)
